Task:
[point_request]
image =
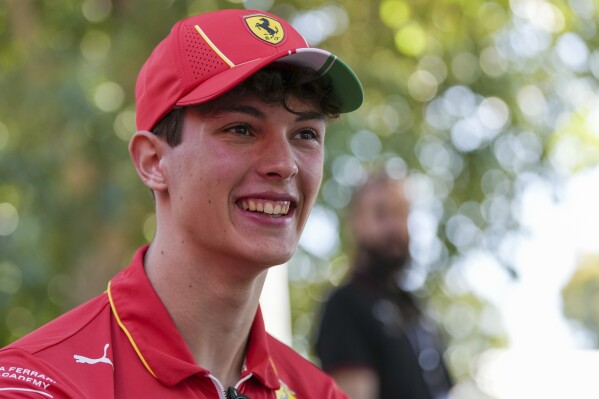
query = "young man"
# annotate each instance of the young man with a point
(373, 338)
(231, 110)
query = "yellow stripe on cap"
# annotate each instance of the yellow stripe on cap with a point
(213, 47)
(120, 323)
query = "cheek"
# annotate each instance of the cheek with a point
(193, 181)
(313, 170)
(368, 232)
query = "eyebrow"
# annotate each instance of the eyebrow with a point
(306, 116)
(242, 109)
(252, 111)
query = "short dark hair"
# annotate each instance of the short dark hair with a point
(273, 84)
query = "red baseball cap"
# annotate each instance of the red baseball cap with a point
(205, 55)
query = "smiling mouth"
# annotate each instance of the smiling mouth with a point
(273, 208)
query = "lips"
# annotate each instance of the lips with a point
(269, 207)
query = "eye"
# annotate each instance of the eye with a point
(308, 134)
(243, 130)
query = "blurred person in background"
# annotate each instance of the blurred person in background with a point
(373, 337)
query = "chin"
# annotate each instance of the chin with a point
(274, 258)
(279, 260)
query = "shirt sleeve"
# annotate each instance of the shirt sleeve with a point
(22, 376)
(343, 338)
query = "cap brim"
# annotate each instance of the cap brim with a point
(345, 84)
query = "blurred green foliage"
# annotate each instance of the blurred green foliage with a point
(580, 298)
(472, 99)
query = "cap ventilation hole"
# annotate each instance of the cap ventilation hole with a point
(203, 61)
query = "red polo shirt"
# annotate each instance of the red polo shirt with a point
(124, 344)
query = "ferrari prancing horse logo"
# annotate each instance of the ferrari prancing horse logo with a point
(265, 28)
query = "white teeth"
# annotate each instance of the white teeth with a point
(268, 208)
(275, 208)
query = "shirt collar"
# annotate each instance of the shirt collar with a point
(155, 338)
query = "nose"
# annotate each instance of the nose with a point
(277, 159)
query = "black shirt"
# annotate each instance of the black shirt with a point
(363, 326)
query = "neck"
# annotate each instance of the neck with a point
(212, 306)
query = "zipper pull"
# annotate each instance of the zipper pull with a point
(233, 393)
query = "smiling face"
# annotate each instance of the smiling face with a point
(243, 180)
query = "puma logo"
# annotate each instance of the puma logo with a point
(103, 359)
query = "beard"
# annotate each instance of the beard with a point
(381, 261)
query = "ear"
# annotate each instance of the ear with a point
(146, 151)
